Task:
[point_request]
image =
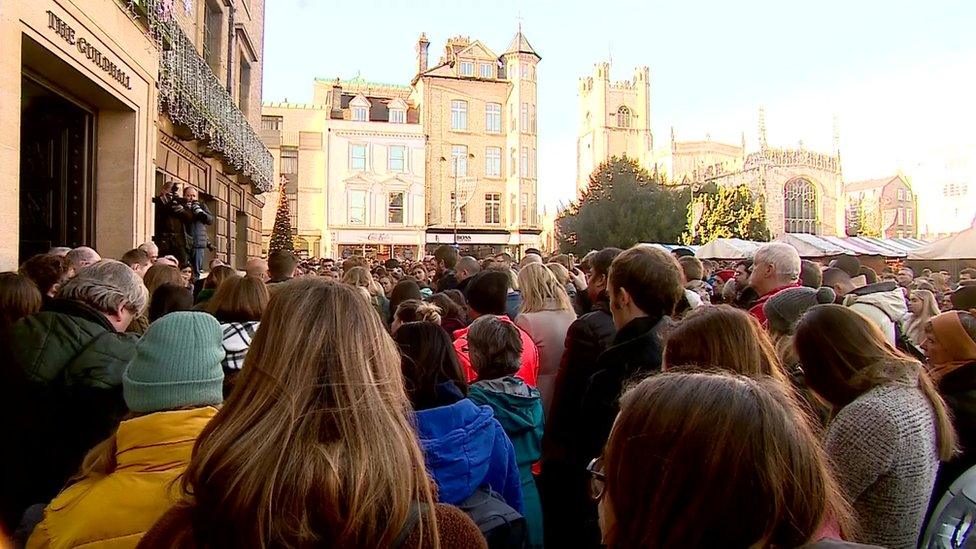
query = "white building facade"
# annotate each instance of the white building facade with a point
(352, 163)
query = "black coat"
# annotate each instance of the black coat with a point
(196, 217)
(446, 281)
(588, 336)
(569, 511)
(636, 352)
(958, 389)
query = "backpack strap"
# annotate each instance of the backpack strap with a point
(413, 517)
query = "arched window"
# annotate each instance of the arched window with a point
(800, 207)
(623, 117)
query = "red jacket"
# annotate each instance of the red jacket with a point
(528, 372)
(757, 308)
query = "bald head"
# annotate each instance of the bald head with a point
(838, 279)
(257, 268)
(467, 267)
(82, 257)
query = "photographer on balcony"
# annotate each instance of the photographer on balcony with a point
(196, 217)
(170, 234)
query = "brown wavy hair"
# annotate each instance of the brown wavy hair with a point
(239, 299)
(844, 355)
(722, 337)
(315, 446)
(716, 460)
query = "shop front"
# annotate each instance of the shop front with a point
(77, 128)
(479, 244)
(381, 245)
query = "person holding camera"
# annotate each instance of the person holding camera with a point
(170, 234)
(196, 217)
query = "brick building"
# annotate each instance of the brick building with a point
(478, 111)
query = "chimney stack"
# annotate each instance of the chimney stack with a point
(422, 45)
(336, 100)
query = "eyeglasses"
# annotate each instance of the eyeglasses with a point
(598, 479)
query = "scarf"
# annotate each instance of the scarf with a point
(948, 329)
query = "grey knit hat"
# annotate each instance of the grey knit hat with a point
(177, 364)
(784, 309)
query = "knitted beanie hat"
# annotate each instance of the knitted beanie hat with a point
(784, 309)
(177, 364)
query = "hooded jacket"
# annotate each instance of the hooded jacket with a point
(882, 303)
(465, 449)
(115, 510)
(518, 408)
(530, 355)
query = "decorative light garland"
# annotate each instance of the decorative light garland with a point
(191, 95)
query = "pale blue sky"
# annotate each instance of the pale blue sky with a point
(900, 75)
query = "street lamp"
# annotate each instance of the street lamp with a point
(456, 210)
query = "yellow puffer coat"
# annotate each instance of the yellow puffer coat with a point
(114, 511)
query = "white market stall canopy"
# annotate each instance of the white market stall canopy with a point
(669, 247)
(809, 245)
(813, 246)
(728, 248)
(961, 245)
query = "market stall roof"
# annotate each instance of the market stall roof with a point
(961, 245)
(728, 248)
(809, 245)
(670, 247)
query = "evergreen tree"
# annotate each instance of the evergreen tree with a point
(623, 205)
(726, 212)
(281, 237)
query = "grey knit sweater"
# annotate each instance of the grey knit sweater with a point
(883, 447)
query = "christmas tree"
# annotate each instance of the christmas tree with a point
(281, 239)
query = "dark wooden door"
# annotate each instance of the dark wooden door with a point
(56, 172)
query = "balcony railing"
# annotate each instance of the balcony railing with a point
(192, 96)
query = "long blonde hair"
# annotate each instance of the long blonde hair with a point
(929, 306)
(540, 289)
(315, 447)
(360, 276)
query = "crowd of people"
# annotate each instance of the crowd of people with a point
(633, 398)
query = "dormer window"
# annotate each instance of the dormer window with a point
(359, 108)
(485, 70)
(467, 68)
(398, 111)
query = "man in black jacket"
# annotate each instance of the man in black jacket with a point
(563, 482)
(196, 217)
(643, 287)
(170, 235)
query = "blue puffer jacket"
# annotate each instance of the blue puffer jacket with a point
(466, 448)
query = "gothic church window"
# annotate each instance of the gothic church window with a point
(800, 207)
(623, 117)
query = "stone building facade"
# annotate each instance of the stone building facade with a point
(614, 120)
(352, 163)
(478, 111)
(103, 101)
(803, 190)
(889, 203)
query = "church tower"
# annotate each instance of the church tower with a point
(615, 120)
